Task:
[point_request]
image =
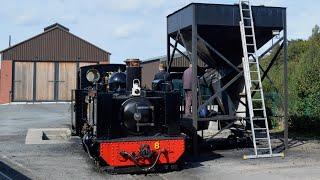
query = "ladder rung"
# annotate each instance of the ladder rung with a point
(249, 35)
(247, 26)
(259, 129)
(246, 18)
(250, 44)
(263, 148)
(258, 109)
(256, 90)
(246, 9)
(258, 119)
(263, 156)
(262, 139)
(256, 99)
(254, 71)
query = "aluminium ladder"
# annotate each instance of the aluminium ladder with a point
(253, 85)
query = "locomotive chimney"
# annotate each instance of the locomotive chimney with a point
(133, 72)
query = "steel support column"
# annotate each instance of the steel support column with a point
(168, 48)
(194, 61)
(285, 81)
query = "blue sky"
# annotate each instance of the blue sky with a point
(126, 28)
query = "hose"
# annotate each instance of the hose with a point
(86, 146)
(134, 160)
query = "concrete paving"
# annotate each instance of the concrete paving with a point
(68, 160)
(48, 136)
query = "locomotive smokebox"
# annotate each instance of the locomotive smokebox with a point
(133, 72)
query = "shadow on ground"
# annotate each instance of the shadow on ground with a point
(7, 173)
(208, 150)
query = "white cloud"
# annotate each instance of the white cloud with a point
(128, 30)
(26, 19)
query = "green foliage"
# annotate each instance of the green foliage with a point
(307, 87)
(303, 81)
(315, 30)
(306, 125)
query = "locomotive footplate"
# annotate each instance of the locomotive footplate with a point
(143, 153)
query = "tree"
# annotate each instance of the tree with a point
(303, 82)
(315, 30)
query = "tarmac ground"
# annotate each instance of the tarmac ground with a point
(69, 161)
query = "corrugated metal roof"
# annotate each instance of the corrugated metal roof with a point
(178, 61)
(55, 26)
(56, 43)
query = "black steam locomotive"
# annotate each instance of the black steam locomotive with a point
(125, 127)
